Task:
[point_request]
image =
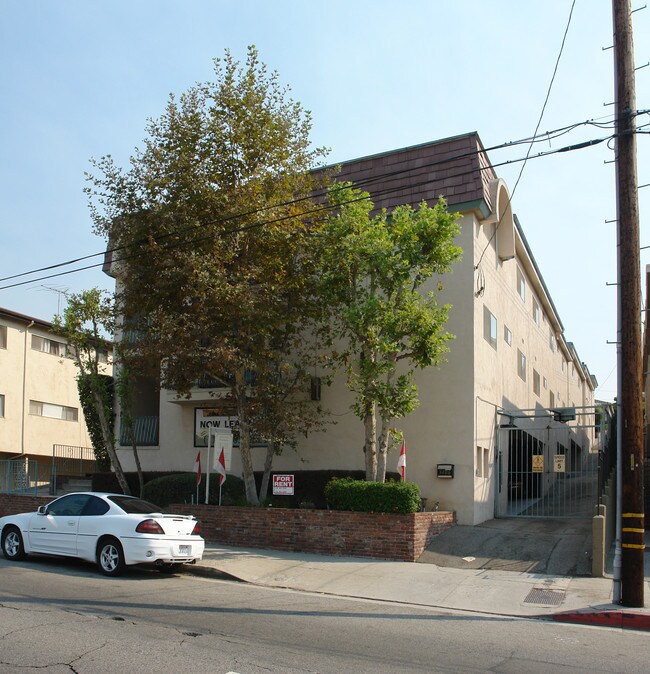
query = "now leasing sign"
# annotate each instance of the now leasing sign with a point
(283, 485)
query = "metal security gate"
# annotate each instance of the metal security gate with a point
(548, 468)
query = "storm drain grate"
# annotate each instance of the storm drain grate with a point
(552, 597)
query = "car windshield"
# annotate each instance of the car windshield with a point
(134, 506)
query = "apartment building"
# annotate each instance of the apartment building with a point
(508, 421)
(39, 403)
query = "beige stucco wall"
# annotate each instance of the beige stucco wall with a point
(48, 379)
(460, 400)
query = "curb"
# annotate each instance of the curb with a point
(627, 620)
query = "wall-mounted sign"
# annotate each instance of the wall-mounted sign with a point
(445, 470)
(206, 419)
(559, 463)
(538, 463)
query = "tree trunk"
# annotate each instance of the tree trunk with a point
(370, 446)
(107, 432)
(382, 449)
(138, 467)
(268, 465)
(245, 439)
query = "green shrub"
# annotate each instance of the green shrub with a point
(181, 488)
(377, 497)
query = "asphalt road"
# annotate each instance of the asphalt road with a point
(62, 616)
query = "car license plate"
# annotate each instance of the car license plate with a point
(184, 549)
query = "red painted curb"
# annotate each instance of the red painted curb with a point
(622, 619)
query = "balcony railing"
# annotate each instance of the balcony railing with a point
(250, 379)
(145, 431)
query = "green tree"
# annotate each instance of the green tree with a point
(212, 250)
(87, 318)
(385, 323)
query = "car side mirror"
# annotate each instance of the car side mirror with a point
(42, 510)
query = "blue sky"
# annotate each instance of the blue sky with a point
(80, 78)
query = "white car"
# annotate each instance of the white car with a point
(112, 530)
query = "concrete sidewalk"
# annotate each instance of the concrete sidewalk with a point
(563, 598)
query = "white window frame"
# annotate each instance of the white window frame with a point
(521, 284)
(490, 327)
(536, 311)
(521, 365)
(53, 411)
(51, 346)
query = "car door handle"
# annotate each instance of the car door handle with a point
(71, 523)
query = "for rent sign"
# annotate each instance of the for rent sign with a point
(283, 485)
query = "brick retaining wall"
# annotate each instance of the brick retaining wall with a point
(326, 532)
(10, 504)
(400, 537)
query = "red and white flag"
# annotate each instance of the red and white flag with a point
(220, 467)
(197, 469)
(401, 462)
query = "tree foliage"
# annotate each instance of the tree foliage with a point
(378, 277)
(211, 248)
(87, 318)
(91, 416)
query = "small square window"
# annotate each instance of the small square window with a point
(536, 312)
(521, 285)
(489, 327)
(521, 365)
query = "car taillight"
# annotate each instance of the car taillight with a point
(149, 527)
(197, 530)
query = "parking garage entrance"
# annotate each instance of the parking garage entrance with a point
(548, 468)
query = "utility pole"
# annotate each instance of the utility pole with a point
(631, 421)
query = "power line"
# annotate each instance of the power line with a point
(262, 223)
(547, 136)
(539, 121)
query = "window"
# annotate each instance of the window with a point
(489, 327)
(545, 383)
(68, 506)
(521, 284)
(536, 382)
(2, 405)
(95, 506)
(521, 365)
(40, 409)
(551, 340)
(551, 400)
(48, 346)
(102, 355)
(563, 365)
(536, 312)
(507, 335)
(482, 462)
(3, 336)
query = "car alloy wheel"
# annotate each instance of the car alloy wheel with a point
(12, 544)
(110, 557)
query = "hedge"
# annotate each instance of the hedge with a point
(378, 497)
(181, 488)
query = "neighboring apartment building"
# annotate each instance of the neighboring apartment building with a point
(39, 401)
(494, 408)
